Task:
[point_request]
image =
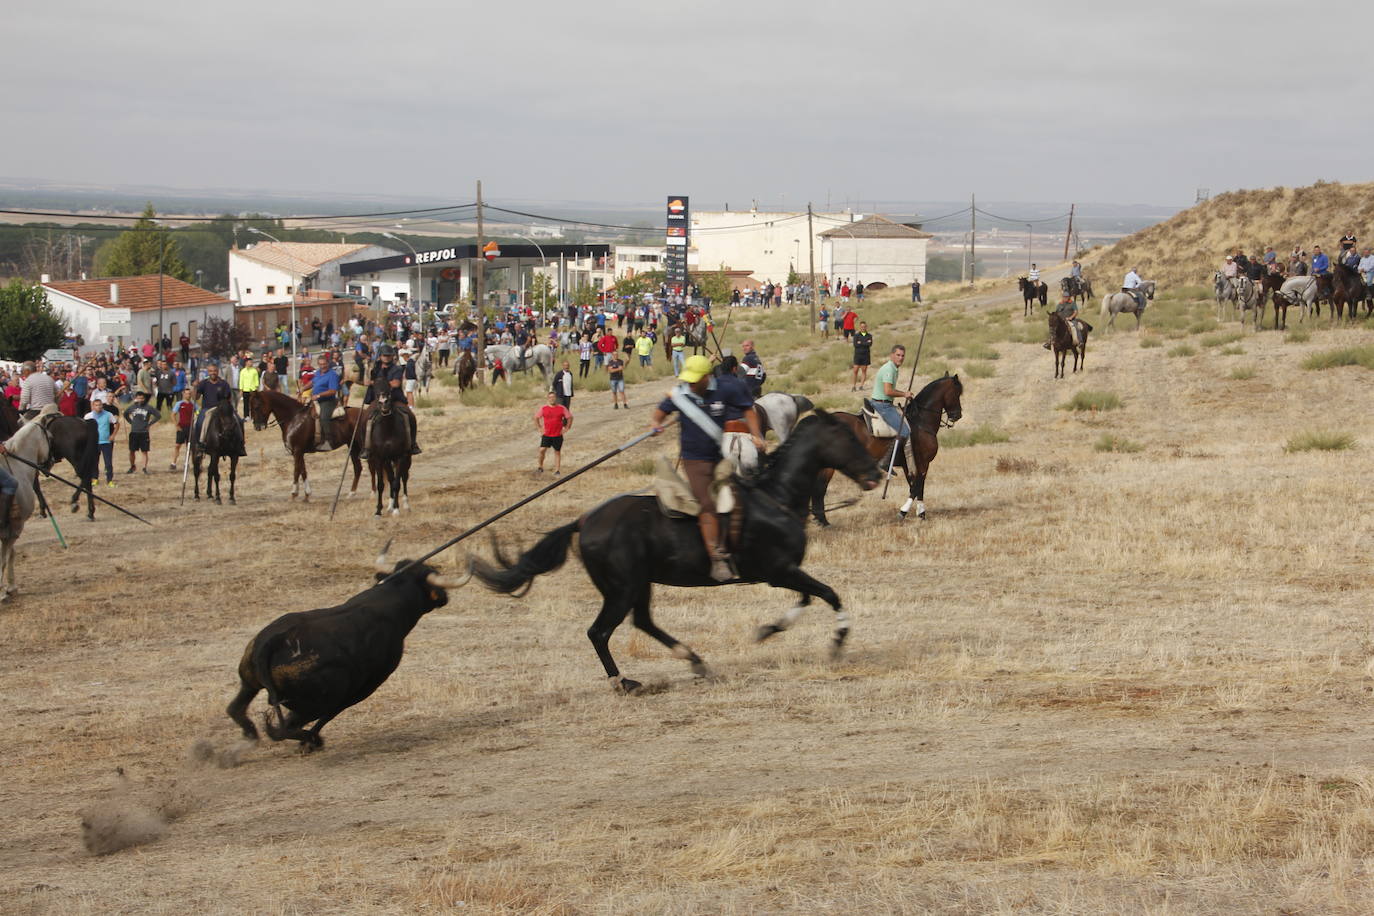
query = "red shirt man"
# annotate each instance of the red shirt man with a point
(607, 344)
(552, 420)
(850, 316)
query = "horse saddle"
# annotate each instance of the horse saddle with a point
(675, 497)
(878, 428)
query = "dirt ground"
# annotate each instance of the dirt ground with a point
(1092, 681)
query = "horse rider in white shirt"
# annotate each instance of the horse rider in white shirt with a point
(1132, 285)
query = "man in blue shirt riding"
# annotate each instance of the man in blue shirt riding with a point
(324, 391)
(1321, 264)
(709, 404)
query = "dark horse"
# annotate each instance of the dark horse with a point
(1061, 342)
(465, 369)
(298, 434)
(925, 414)
(70, 439)
(1271, 281)
(1347, 289)
(388, 451)
(223, 438)
(1030, 292)
(628, 544)
(1076, 289)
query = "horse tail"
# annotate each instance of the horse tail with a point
(1105, 300)
(261, 660)
(501, 575)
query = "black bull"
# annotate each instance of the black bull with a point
(318, 663)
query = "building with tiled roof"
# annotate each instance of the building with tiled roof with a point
(274, 272)
(152, 301)
(874, 251)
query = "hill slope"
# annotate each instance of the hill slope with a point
(1192, 244)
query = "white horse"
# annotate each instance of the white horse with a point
(780, 412)
(1299, 291)
(539, 356)
(1223, 290)
(1116, 303)
(31, 444)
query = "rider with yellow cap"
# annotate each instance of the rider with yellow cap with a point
(708, 403)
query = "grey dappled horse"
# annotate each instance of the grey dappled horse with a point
(539, 356)
(1115, 303)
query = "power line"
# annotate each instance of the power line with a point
(1012, 219)
(218, 219)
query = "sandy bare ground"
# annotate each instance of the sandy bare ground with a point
(1092, 681)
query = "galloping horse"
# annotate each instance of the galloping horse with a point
(627, 544)
(1062, 343)
(297, 422)
(1116, 303)
(223, 438)
(388, 451)
(1030, 292)
(924, 414)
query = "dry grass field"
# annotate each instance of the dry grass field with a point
(1127, 665)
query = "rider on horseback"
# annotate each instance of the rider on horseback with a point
(1131, 286)
(710, 405)
(394, 377)
(1068, 310)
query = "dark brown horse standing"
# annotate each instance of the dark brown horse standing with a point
(925, 414)
(297, 424)
(221, 437)
(1030, 292)
(1347, 290)
(388, 450)
(1062, 343)
(466, 369)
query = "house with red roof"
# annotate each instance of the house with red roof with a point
(154, 303)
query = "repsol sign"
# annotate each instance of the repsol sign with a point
(438, 254)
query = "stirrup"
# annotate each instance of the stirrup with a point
(722, 570)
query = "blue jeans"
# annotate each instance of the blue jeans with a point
(894, 418)
(8, 484)
(677, 362)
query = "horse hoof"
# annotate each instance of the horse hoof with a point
(395, 511)
(90, 518)
(766, 630)
(628, 686)
(901, 516)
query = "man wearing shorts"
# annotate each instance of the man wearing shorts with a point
(863, 356)
(141, 418)
(552, 420)
(616, 367)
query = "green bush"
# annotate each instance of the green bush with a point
(1236, 350)
(1183, 350)
(1297, 335)
(1149, 341)
(1345, 356)
(1320, 441)
(1243, 372)
(1109, 443)
(982, 435)
(980, 370)
(1219, 340)
(1092, 400)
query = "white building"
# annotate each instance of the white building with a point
(874, 250)
(765, 244)
(273, 272)
(632, 260)
(182, 307)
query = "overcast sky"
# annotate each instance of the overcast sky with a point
(624, 102)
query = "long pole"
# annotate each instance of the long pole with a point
(479, 276)
(51, 517)
(1068, 234)
(891, 462)
(348, 457)
(161, 252)
(186, 466)
(811, 253)
(528, 499)
(99, 499)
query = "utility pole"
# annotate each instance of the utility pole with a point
(1069, 233)
(973, 239)
(811, 252)
(478, 278)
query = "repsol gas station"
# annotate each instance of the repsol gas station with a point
(443, 275)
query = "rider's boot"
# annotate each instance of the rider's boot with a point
(367, 436)
(6, 507)
(721, 570)
(414, 445)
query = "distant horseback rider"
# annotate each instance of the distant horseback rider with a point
(212, 391)
(324, 391)
(390, 377)
(1131, 285)
(1076, 271)
(1033, 277)
(710, 406)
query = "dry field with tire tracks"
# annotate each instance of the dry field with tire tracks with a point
(1127, 665)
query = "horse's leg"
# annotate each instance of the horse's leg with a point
(613, 611)
(793, 578)
(785, 621)
(818, 491)
(357, 473)
(234, 473)
(644, 621)
(378, 482)
(214, 479)
(195, 462)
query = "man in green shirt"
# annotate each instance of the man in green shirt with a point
(884, 391)
(679, 344)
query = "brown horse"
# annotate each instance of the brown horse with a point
(1347, 289)
(465, 370)
(1030, 292)
(1062, 343)
(925, 414)
(388, 450)
(297, 424)
(1269, 285)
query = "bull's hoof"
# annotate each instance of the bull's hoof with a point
(766, 630)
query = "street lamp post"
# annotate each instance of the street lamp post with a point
(295, 359)
(414, 254)
(544, 268)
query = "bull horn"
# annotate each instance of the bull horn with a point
(434, 580)
(381, 558)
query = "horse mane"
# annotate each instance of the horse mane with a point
(925, 394)
(17, 442)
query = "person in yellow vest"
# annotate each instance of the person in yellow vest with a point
(250, 383)
(644, 349)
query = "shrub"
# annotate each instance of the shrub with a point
(1233, 351)
(1109, 443)
(1242, 373)
(1218, 340)
(1183, 350)
(1149, 341)
(1320, 441)
(1092, 400)
(1300, 335)
(1345, 356)
(980, 370)
(983, 435)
